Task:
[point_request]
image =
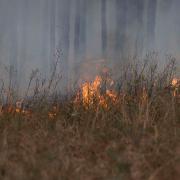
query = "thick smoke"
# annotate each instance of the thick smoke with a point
(87, 32)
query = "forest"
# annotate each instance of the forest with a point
(84, 31)
(89, 90)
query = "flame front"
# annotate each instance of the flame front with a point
(91, 93)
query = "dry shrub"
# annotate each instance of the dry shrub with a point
(135, 137)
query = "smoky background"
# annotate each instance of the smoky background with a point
(88, 35)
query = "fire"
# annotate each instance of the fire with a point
(6, 109)
(100, 92)
(53, 113)
(91, 93)
(176, 86)
(111, 94)
(175, 82)
(17, 108)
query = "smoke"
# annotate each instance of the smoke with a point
(89, 34)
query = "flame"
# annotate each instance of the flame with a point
(91, 93)
(18, 110)
(175, 83)
(53, 113)
(112, 94)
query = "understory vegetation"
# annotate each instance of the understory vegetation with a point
(133, 133)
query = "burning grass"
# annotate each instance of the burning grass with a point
(128, 128)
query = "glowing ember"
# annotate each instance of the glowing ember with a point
(53, 113)
(18, 110)
(111, 94)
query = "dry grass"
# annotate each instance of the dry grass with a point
(137, 137)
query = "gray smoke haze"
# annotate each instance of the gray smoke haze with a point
(87, 32)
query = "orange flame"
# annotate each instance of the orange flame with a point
(53, 113)
(176, 86)
(175, 82)
(91, 92)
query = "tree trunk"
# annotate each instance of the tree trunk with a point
(13, 43)
(80, 30)
(121, 23)
(52, 30)
(64, 37)
(151, 22)
(44, 36)
(139, 35)
(104, 27)
(77, 31)
(24, 12)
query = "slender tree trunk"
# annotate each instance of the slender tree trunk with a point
(83, 28)
(151, 22)
(52, 30)
(24, 12)
(140, 34)
(12, 25)
(121, 21)
(77, 31)
(3, 26)
(44, 36)
(80, 30)
(104, 27)
(64, 37)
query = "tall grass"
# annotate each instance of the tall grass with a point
(134, 137)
